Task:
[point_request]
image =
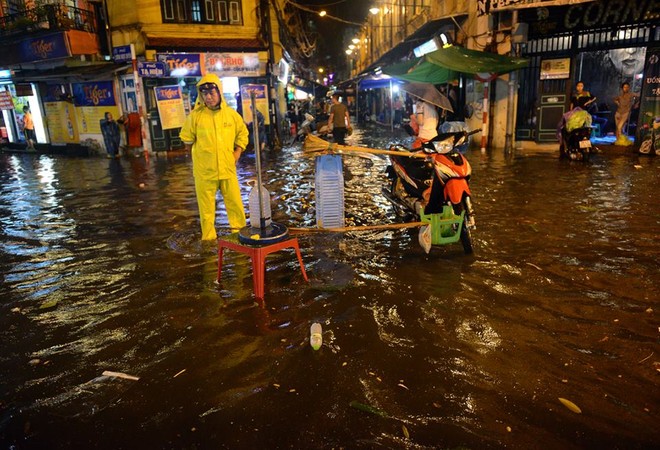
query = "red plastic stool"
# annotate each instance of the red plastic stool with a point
(258, 255)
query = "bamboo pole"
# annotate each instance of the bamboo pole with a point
(390, 226)
(315, 145)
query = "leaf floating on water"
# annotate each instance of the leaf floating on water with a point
(49, 304)
(368, 408)
(405, 431)
(570, 405)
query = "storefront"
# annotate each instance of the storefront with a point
(600, 43)
(239, 73)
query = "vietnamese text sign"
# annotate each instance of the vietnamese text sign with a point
(170, 106)
(6, 101)
(232, 64)
(122, 53)
(152, 69)
(555, 69)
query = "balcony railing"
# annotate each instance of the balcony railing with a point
(47, 17)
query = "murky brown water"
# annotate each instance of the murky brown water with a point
(560, 299)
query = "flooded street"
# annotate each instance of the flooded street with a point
(102, 271)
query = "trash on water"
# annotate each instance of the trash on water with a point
(108, 373)
(570, 405)
(48, 304)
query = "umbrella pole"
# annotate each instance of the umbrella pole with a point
(391, 108)
(484, 122)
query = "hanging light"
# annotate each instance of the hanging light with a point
(351, 46)
(349, 52)
(374, 10)
(322, 13)
(355, 40)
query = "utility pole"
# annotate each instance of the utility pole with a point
(275, 140)
(510, 104)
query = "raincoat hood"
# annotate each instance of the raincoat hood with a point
(209, 78)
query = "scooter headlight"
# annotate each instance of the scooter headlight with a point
(445, 146)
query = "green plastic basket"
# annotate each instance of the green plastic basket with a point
(445, 226)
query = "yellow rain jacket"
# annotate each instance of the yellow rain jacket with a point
(213, 135)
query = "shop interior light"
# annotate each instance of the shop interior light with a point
(322, 13)
(374, 10)
(355, 40)
(349, 52)
(351, 46)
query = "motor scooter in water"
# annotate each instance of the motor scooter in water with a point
(435, 190)
(574, 134)
(650, 136)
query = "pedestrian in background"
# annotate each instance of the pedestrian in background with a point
(28, 128)
(339, 121)
(625, 102)
(216, 135)
(427, 120)
(111, 135)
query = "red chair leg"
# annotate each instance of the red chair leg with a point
(302, 265)
(258, 273)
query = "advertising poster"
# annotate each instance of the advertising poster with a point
(88, 118)
(61, 122)
(261, 101)
(649, 107)
(93, 100)
(170, 106)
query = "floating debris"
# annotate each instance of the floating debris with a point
(368, 408)
(179, 373)
(108, 373)
(570, 405)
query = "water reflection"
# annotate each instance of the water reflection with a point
(102, 270)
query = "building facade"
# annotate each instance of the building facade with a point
(602, 43)
(139, 59)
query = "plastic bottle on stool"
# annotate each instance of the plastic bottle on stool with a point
(316, 336)
(253, 202)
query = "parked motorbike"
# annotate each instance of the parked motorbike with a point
(576, 144)
(311, 125)
(650, 136)
(435, 190)
(574, 135)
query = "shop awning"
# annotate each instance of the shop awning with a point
(444, 64)
(377, 81)
(165, 43)
(417, 38)
(460, 59)
(311, 87)
(92, 72)
(420, 70)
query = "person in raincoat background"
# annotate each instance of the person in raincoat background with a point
(217, 135)
(111, 135)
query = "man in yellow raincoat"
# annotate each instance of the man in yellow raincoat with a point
(217, 135)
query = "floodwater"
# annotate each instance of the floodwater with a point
(102, 271)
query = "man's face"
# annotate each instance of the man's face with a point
(579, 87)
(210, 94)
(625, 88)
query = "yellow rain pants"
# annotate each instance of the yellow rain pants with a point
(231, 193)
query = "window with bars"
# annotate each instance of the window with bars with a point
(226, 12)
